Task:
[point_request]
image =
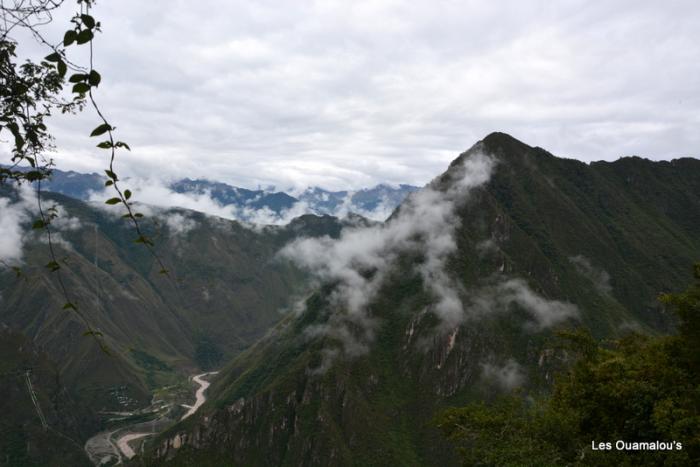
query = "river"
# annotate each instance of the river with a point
(199, 396)
(105, 447)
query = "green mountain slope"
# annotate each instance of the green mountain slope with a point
(24, 439)
(454, 298)
(225, 289)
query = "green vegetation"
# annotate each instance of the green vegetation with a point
(24, 441)
(148, 361)
(208, 355)
(636, 389)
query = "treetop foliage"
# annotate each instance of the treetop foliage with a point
(639, 389)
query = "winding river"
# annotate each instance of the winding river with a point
(200, 398)
(104, 447)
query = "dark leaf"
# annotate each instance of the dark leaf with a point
(105, 145)
(54, 57)
(143, 239)
(34, 175)
(111, 175)
(113, 201)
(81, 88)
(62, 68)
(39, 224)
(77, 77)
(121, 144)
(94, 78)
(84, 36)
(92, 333)
(69, 38)
(88, 21)
(102, 129)
(109, 183)
(127, 194)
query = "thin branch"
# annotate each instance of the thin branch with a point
(130, 213)
(55, 267)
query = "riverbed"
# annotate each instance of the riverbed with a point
(112, 446)
(200, 398)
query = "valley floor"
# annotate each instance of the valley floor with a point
(112, 446)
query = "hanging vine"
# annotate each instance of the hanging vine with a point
(30, 92)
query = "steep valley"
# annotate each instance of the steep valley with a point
(224, 289)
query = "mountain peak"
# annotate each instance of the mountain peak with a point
(496, 143)
(502, 142)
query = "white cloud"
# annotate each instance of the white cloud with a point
(16, 217)
(500, 297)
(598, 276)
(508, 376)
(358, 262)
(381, 212)
(349, 94)
(153, 193)
(179, 223)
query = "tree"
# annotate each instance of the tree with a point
(639, 389)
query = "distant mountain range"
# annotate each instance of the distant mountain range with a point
(375, 203)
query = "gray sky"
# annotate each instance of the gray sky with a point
(345, 94)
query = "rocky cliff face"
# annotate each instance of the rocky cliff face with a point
(456, 297)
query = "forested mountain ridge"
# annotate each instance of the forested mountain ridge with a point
(531, 243)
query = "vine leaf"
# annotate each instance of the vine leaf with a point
(81, 88)
(102, 129)
(88, 21)
(62, 68)
(94, 78)
(77, 77)
(70, 37)
(92, 333)
(84, 36)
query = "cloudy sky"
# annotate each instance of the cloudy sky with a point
(346, 94)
